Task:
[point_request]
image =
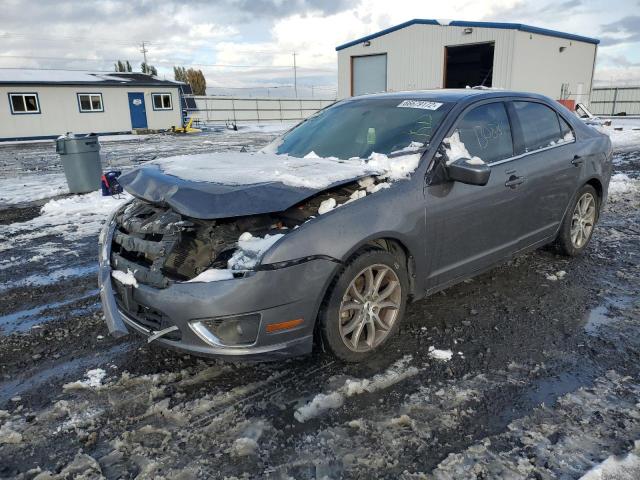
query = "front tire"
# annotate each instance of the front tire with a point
(364, 305)
(577, 227)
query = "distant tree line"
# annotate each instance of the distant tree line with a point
(125, 66)
(122, 66)
(195, 78)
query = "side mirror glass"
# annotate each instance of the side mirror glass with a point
(471, 172)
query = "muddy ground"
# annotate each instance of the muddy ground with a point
(544, 381)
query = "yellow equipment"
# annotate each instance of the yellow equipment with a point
(187, 128)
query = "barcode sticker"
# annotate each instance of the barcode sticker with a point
(423, 104)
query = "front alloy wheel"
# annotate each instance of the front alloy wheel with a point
(364, 304)
(370, 307)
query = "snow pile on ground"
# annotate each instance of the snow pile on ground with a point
(71, 218)
(273, 127)
(31, 188)
(332, 400)
(624, 133)
(93, 380)
(455, 150)
(617, 468)
(554, 277)
(444, 355)
(565, 439)
(621, 183)
(125, 278)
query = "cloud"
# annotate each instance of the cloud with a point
(625, 30)
(261, 35)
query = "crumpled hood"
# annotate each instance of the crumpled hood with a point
(224, 185)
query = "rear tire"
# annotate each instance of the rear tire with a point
(577, 227)
(364, 305)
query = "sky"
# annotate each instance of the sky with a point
(244, 44)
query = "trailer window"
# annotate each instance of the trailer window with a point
(90, 102)
(162, 101)
(22, 103)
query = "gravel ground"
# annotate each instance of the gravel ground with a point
(543, 381)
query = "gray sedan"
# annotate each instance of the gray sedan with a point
(328, 232)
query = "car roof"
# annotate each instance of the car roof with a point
(451, 95)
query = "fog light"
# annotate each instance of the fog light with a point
(288, 325)
(240, 330)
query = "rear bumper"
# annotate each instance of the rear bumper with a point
(279, 295)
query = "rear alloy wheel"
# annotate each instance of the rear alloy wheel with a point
(365, 305)
(578, 225)
(583, 220)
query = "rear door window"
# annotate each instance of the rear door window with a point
(540, 125)
(485, 132)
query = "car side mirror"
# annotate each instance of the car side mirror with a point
(465, 170)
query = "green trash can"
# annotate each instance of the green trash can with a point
(80, 155)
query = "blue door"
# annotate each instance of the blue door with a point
(137, 110)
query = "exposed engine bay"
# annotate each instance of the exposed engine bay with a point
(159, 245)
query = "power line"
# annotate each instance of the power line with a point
(166, 62)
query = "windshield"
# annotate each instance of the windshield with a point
(357, 128)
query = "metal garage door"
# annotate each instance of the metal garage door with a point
(369, 74)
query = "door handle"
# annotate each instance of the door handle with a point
(577, 160)
(514, 181)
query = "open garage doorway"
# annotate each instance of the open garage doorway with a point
(468, 65)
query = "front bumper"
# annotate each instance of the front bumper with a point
(279, 295)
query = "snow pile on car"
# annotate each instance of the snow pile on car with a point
(249, 252)
(251, 168)
(312, 172)
(455, 150)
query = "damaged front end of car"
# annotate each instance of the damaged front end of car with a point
(198, 285)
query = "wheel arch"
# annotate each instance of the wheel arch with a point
(392, 244)
(598, 187)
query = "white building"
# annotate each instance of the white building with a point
(426, 54)
(47, 103)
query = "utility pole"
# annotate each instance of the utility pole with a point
(295, 75)
(144, 51)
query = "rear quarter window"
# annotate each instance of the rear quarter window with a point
(540, 125)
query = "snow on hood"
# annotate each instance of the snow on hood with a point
(225, 185)
(250, 168)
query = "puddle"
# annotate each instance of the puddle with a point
(55, 276)
(545, 390)
(604, 314)
(81, 364)
(23, 320)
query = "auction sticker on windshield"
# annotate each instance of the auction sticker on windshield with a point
(423, 104)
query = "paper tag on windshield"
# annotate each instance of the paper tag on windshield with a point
(423, 104)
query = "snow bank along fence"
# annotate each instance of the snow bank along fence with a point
(615, 100)
(219, 110)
